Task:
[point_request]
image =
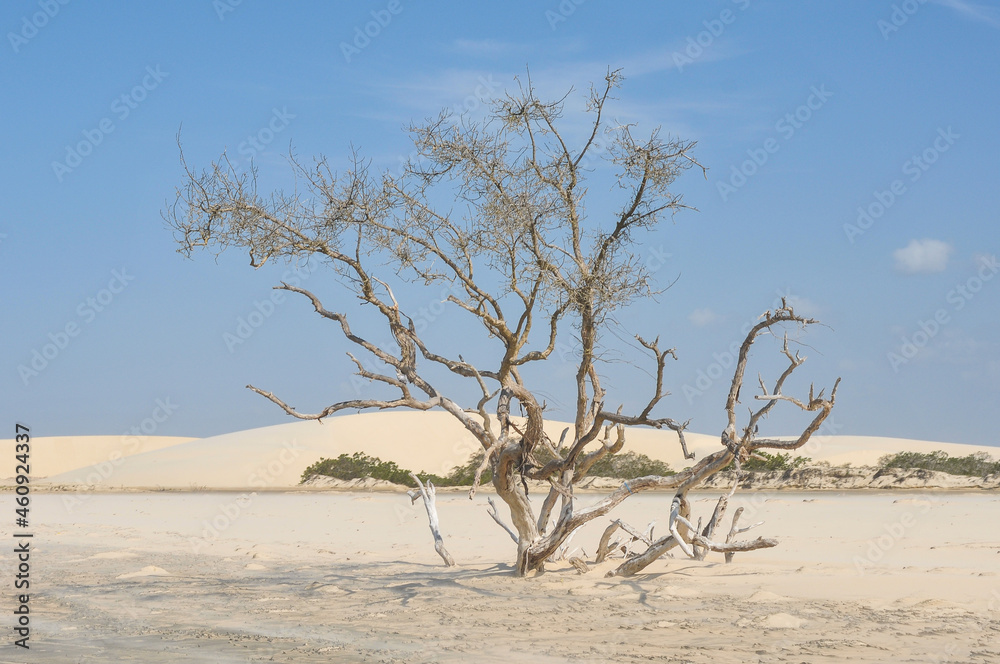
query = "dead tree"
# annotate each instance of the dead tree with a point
(516, 253)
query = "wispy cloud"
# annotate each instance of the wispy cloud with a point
(703, 317)
(459, 88)
(923, 257)
(980, 13)
(804, 306)
(469, 86)
(487, 48)
(978, 358)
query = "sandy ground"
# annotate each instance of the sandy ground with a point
(335, 577)
(235, 565)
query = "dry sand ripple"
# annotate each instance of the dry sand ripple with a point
(321, 578)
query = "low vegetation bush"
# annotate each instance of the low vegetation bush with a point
(359, 465)
(978, 464)
(629, 466)
(462, 475)
(764, 462)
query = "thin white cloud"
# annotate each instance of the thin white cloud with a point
(703, 317)
(980, 13)
(803, 306)
(487, 47)
(923, 256)
(470, 89)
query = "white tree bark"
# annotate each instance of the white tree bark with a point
(736, 530)
(605, 546)
(640, 562)
(432, 517)
(492, 511)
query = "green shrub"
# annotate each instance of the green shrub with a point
(764, 462)
(623, 465)
(464, 475)
(978, 464)
(358, 465)
(628, 466)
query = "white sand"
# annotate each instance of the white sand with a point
(274, 457)
(306, 577)
(294, 576)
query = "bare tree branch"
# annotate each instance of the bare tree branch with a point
(428, 495)
(492, 511)
(514, 252)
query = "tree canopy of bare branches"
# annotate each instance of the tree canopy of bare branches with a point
(519, 255)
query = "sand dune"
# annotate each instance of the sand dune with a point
(275, 456)
(67, 454)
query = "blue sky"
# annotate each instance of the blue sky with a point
(852, 149)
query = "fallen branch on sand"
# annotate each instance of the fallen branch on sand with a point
(428, 494)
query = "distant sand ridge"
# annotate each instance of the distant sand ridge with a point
(274, 457)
